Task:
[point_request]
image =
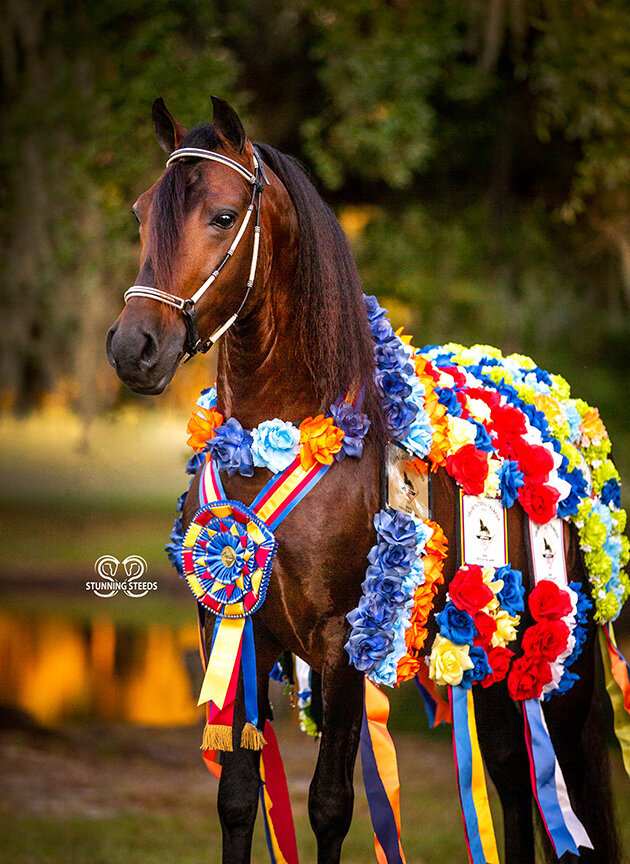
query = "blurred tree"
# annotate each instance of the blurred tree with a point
(476, 151)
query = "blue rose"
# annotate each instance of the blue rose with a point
(392, 384)
(399, 417)
(481, 668)
(231, 449)
(611, 493)
(420, 435)
(387, 585)
(396, 528)
(195, 462)
(456, 624)
(382, 331)
(569, 505)
(207, 398)
(511, 478)
(373, 613)
(368, 646)
(447, 396)
(392, 558)
(374, 311)
(482, 440)
(355, 424)
(391, 355)
(511, 595)
(275, 445)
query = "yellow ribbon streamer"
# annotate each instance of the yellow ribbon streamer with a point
(221, 663)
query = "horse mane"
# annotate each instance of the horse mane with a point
(333, 332)
(333, 329)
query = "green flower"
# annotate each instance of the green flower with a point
(560, 387)
(594, 532)
(597, 451)
(619, 521)
(598, 562)
(607, 608)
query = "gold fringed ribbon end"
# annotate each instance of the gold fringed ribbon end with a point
(252, 738)
(216, 738)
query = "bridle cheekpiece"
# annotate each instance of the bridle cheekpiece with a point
(194, 344)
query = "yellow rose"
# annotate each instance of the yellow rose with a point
(492, 485)
(506, 629)
(461, 432)
(478, 409)
(449, 661)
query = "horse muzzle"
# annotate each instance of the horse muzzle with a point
(144, 360)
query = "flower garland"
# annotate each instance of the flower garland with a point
(535, 411)
(478, 622)
(275, 444)
(393, 579)
(503, 428)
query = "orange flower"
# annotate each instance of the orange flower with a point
(201, 427)
(592, 425)
(320, 439)
(407, 668)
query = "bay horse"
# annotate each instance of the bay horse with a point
(289, 344)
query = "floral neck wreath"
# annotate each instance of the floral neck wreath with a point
(505, 431)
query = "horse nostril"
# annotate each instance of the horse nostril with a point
(149, 352)
(108, 345)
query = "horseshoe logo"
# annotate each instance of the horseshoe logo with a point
(107, 568)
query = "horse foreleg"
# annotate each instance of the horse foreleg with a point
(502, 742)
(331, 796)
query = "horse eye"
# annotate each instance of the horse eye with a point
(224, 220)
(135, 216)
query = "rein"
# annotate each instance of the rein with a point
(194, 344)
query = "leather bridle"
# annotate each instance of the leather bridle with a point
(194, 344)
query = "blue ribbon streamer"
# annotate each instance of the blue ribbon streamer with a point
(545, 775)
(248, 665)
(463, 755)
(428, 701)
(381, 813)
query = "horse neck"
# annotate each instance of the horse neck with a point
(260, 374)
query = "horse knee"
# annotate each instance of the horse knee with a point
(330, 809)
(237, 801)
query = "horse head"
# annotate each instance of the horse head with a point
(200, 227)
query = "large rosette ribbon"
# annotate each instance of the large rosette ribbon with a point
(227, 555)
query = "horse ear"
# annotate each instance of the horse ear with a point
(227, 125)
(168, 131)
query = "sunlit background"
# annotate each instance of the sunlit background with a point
(477, 155)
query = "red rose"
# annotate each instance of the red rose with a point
(468, 591)
(508, 422)
(469, 467)
(486, 628)
(499, 659)
(547, 601)
(546, 639)
(528, 676)
(539, 501)
(535, 462)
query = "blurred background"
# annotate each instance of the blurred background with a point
(477, 153)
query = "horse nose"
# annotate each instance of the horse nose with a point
(134, 349)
